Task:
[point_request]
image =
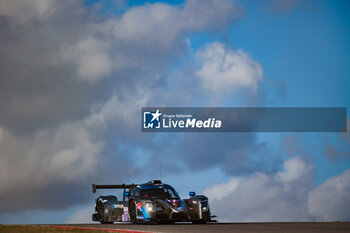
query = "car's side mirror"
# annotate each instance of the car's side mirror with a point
(192, 194)
(126, 194)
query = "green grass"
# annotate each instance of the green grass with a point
(41, 229)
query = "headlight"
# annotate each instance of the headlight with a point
(149, 206)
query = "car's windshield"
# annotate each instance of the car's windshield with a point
(159, 192)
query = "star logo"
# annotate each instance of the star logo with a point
(151, 120)
(156, 115)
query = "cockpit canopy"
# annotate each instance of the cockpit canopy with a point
(155, 192)
(108, 199)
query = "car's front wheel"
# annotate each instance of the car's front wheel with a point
(199, 222)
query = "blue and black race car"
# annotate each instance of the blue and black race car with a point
(152, 202)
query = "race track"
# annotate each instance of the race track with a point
(300, 227)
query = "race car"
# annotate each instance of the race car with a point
(152, 202)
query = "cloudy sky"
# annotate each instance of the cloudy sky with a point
(75, 74)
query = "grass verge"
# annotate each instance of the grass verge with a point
(41, 229)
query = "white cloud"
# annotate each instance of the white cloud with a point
(146, 25)
(149, 24)
(82, 216)
(225, 70)
(263, 197)
(294, 168)
(199, 14)
(289, 195)
(221, 191)
(67, 154)
(60, 127)
(27, 10)
(116, 41)
(91, 55)
(331, 200)
(119, 109)
(93, 60)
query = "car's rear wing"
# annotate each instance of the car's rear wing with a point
(113, 186)
(127, 188)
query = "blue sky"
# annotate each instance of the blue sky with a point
(304, 48)
(301, 46)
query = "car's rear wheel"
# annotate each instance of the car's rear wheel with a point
(166, 221)
(100, 212)
(132, 212)
(103, 222)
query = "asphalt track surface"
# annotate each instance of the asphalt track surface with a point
(299, 227)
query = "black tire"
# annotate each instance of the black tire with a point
(132, 212)
(103, 222)
(100, 212)
(199, 222)
(166, 222)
